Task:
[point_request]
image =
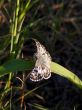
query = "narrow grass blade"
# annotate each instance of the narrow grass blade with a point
(60, 70)
(39, 107)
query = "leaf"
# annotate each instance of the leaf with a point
(14, 65)
(60, 70)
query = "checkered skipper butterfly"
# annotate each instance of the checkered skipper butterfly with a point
(42, 65)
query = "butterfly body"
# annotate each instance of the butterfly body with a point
(42, 65)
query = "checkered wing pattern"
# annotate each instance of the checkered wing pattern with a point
(42, 65)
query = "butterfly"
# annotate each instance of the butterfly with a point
(42, 66)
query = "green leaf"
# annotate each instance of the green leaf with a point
(60, 70)
(14, 65)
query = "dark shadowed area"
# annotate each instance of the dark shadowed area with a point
(57, 24)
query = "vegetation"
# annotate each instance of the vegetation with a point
(57, 25)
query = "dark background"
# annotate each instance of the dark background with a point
(59, 29)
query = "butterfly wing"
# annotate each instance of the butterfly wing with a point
(36, 74)
(39, 73)
(47, 73)
(42, 65)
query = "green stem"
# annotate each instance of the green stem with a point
(24, 11)
(16, 18)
